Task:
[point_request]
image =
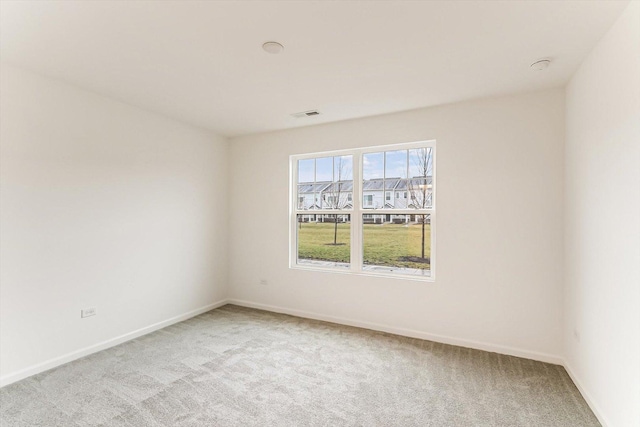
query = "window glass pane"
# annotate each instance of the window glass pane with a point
(420, 185)
(373, 182)
(399, 244)
(324, 240)
(420, 193)
(420, 162)
(325, 183)
(324, 169)
(337, 195)
(343, 168)
(372, 166)
(400, 195)
(305, 196)
(395, 164)
(306, 170)
(390, 201)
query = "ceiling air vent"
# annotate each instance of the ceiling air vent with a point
(309, 113)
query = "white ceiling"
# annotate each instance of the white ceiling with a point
(202, 62)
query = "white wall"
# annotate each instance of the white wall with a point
(499, 226)
(103, 205)
(602, 224)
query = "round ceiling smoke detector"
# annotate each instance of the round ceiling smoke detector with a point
(541, 64)
(273, 47)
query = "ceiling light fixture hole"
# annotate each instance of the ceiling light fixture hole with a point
(272, 47)
(541, 64)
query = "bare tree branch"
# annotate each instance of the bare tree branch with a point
(421, 186)
(336, 195)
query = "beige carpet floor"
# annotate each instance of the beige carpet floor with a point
(235, 366)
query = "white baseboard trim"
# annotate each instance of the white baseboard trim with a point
(411, 333)
(61, 360)
(587, 397)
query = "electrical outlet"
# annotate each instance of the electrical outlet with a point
(87, 312)
(264, 282)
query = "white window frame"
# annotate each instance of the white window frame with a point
(357, 211)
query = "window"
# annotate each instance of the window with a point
(359, 227)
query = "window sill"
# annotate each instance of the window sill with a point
(366, 273)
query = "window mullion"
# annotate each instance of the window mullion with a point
(356, 218)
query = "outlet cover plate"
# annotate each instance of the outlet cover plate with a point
(87, 312)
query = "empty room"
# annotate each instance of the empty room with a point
(320, 213)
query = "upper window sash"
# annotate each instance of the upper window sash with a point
(415, 181)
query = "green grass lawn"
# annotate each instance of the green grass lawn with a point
(315, 241)
(392, 245)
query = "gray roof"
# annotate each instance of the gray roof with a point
(310, 187)
(415, 182)
(340, 186)
(369, 185)
(372, 185)
(391, 183)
